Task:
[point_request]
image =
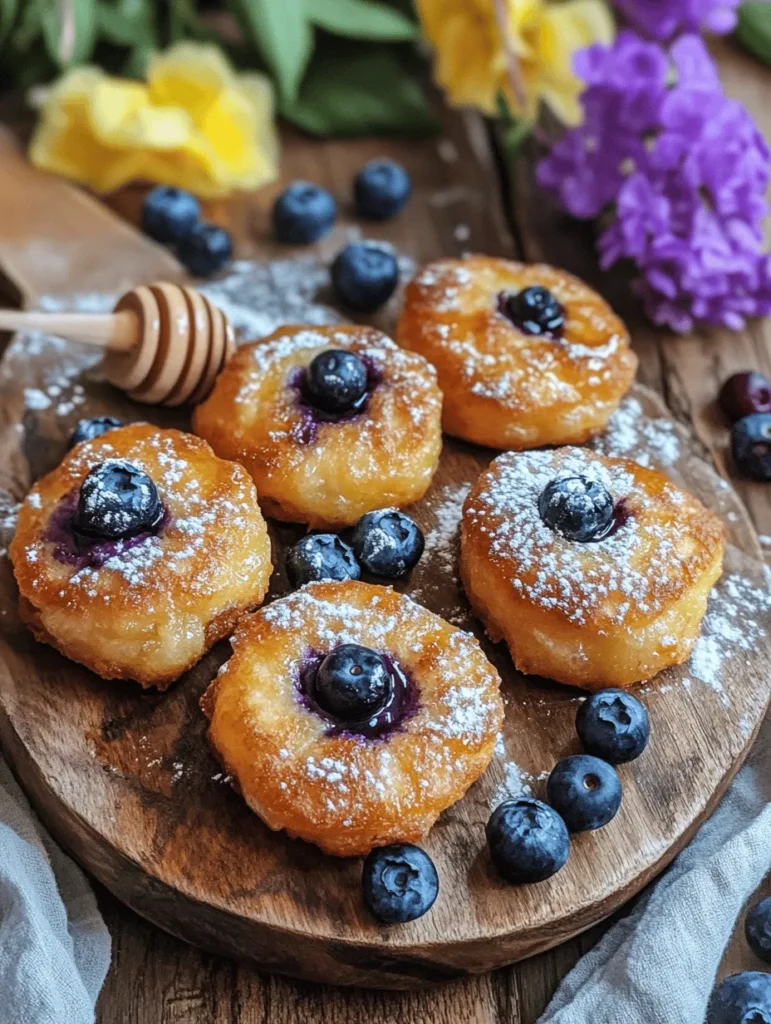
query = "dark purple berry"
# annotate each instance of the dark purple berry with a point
(388, 543)
(757, 928)
(117, 500)
(528, 840)
(336, 381)
(169, 214)
(613, 725)
(353, 683)
(205, 250)
(87, 430)
(751, 445)
(534, 310)
(303, 213)
(577, 507)
(321, 556)
(381, 189)
(745, 393)
(741, 999)
(585, 791)
(399, 883)
(365, 275)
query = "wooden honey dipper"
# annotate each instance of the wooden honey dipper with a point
(164, 344)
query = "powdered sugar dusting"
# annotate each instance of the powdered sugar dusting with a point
(633, 435)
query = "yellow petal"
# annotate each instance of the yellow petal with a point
(189, 75)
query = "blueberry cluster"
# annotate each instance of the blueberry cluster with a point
(747, 996)
(745, 398)
(172, 217)
(364, 274)
(387, 544)
(529, 840)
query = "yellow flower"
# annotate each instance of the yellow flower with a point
(473, 59)
(194, 123)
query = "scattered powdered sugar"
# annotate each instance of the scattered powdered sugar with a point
(442, 539)
(516, 783)
(731, 626)
(632, 435)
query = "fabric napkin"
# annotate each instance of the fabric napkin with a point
(659, 963)
(54, 946)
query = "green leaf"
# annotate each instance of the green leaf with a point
(754, 29)
(69, 31)
(283, 36)
(360, 89)
(124, 25)
(29, 27)
(362, 19)
(8, 11)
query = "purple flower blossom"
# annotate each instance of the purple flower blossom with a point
(664, 19)
(686, 170)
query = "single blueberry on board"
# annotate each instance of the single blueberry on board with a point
(205, 250)
(303, 213)
(336, 381)
(534, 310)
(757, 928)
(321, 556)
(388, 543)
(613, 725)
(117, 500)
(365, 275)
(381, 189)
(745, 393)
(399, 883)
(751, 445)
(353, 683)
(577, 507)
(741, 999)
(169, 214)
(585, 791)
(87, 430)
(528, 840)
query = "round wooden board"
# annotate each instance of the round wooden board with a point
(126, 782)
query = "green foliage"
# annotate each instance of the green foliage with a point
(339, 66)
(754, 29)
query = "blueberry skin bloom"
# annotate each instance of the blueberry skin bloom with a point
(321, 556)
(87, 430)
(576, 507)
(117, 500)
(399, 883)
(534, 310)
(336, 381)
(381, 189)
(303, 213)
(528, 840)
(613, 725)
(757, 929)
(365, 276)
(205, 250)
(169, 214)
(353, 683)
(741, 999)
(388, 543)
(751, 445)
(585, 791)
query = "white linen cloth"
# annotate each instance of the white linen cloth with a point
(54, 946)
(659, 963)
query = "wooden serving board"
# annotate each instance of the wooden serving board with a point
(126, 782)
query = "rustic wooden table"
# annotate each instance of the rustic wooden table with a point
(465, 200)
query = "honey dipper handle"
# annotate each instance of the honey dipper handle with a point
(116, 332)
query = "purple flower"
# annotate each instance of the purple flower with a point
(687, 179)
(664, 19)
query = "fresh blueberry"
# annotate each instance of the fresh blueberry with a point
(745, 393)
(365, 275)
(388, 543)
(400, 883)
(336, 381)
(741, 999)
(117, 500)
(585, 791)
(528, 840)
(169, 214)
(381, 189)
(757, 928)
(321, 556)
(303, 213)
(205, 250)
(353, 683)
(534, 310)
(613, 725)
(577, 508)
(751, 445)
(87, 430)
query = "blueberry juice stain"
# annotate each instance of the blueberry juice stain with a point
(402, 704)
(82, 552)
(312, 417)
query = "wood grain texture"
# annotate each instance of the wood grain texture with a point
(157, 979)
